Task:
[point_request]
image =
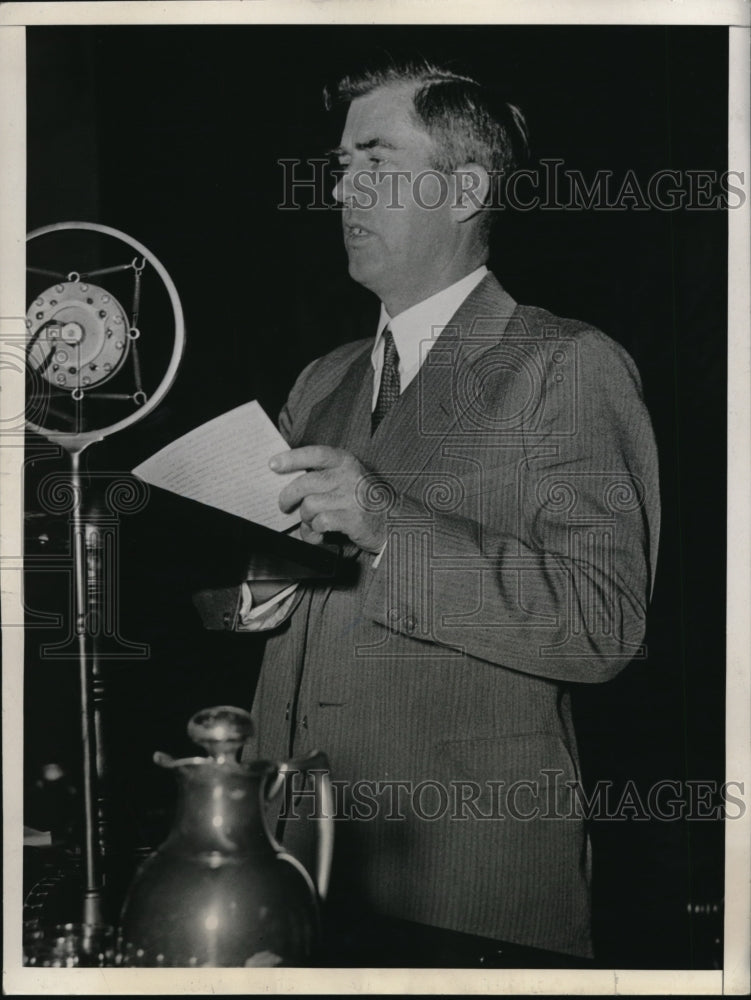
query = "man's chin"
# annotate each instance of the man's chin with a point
(361, 273)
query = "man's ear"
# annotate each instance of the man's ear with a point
(471, 191)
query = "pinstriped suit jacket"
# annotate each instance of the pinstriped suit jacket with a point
(519, 476)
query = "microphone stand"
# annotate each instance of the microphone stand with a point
(91, 541)
(86, 587)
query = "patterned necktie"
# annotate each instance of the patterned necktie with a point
(388, 391)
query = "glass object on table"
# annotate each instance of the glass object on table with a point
(69, 946)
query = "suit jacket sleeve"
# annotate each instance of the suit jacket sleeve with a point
(558, 586)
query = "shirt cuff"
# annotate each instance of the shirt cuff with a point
(267, 615)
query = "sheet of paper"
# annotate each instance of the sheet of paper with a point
(224, 463)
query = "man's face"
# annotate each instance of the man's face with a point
(398, 247)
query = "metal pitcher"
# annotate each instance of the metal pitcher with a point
(220, 891)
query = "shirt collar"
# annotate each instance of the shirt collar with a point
(422, 323)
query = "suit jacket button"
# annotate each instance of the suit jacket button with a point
(227, 619)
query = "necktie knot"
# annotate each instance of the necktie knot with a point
(390, 388)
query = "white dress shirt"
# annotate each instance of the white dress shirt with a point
(414, 331)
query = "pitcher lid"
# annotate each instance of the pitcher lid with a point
(222, 731)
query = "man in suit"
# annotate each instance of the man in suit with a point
(492, 471)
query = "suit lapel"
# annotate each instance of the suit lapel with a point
(432, 403)
(440, 393)
(342, 419)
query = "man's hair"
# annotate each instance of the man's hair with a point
(466, 120)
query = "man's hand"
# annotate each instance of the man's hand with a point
(327, 497)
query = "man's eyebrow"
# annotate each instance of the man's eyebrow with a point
(374, 143)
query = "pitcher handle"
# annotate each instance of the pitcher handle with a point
(315, 761)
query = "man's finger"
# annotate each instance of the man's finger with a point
(308, 484)
(328, 521)
(310, 536)
(314, 504)
(312, 456)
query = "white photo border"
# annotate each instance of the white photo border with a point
(734, 978)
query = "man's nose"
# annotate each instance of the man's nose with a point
(343, 190)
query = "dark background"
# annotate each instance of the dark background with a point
(173, 136)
